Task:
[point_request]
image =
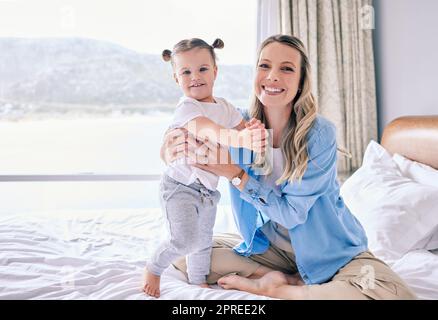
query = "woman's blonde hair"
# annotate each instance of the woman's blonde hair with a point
(294, 137)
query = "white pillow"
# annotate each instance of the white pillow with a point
(396, 212)
(423, 174)
(418, 172)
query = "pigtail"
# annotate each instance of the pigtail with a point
(218, 44)
(167, 55)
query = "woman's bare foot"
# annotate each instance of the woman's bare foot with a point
(273, 284)
(257, 286)
(260, 272)
(295, 279)
(292, 279)
(151, 284)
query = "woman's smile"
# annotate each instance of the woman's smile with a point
(272, 91)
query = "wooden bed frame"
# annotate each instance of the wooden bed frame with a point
(414, 137)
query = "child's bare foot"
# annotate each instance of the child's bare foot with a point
(151, 284)
(204, 285)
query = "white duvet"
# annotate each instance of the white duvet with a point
(419, 268)
(91, 255)
(101, 255)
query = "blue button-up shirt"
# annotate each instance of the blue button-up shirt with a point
(324, 234)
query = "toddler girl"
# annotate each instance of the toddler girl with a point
(188, 194)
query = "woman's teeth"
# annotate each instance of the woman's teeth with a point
(273, 90)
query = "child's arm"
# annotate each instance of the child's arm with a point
(202, 127)
(251, 124)
(241, 125)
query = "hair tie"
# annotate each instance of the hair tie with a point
(218, 44)
(167, 55)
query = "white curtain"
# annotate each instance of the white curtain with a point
(338, 38)
(268, 23)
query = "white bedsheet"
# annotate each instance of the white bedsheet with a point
(91, 255)
(419, 269)
(101, 255)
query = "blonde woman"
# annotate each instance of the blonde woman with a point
(297, 238)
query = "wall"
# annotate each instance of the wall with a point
(406, 55)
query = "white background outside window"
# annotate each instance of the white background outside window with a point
(118, 144)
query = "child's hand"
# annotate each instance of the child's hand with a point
(254, 136)
(254, 124)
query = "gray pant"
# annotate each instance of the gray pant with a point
(190, 212)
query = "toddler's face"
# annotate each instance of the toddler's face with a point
(195, 72)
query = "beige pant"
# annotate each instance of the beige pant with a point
(364, 277)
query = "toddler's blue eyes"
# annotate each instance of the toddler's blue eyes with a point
(188, 72)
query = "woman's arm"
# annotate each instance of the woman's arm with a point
(292, 206)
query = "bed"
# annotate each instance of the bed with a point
(101, 254)
(92, 255)
(416, 138)
(394, 194)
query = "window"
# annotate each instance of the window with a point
(85, 97)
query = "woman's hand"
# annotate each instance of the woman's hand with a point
(206, 155)
(254, 136)
(214, 158)
(177, 144)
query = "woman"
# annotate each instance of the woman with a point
(298, 239)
